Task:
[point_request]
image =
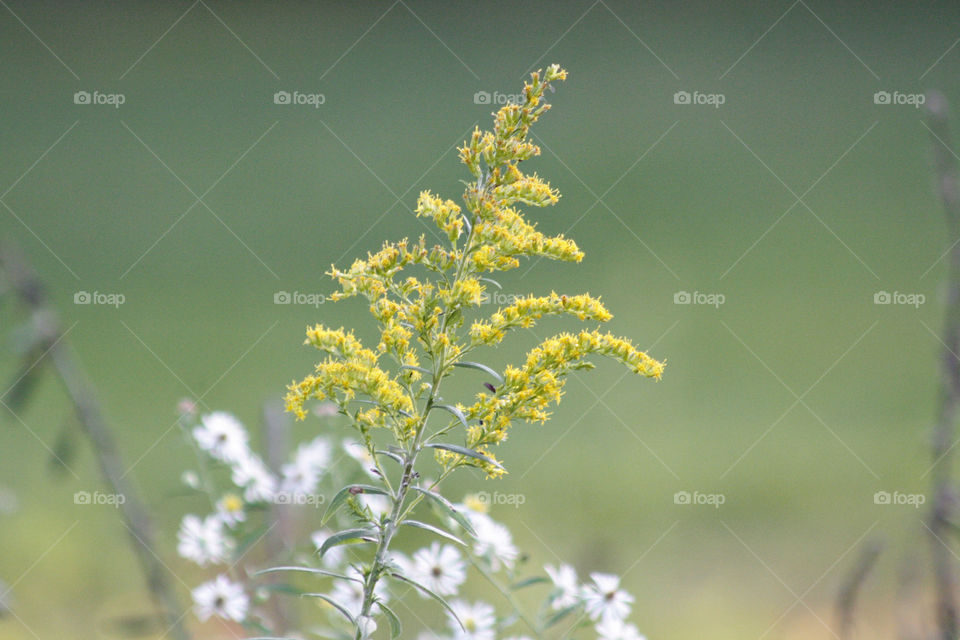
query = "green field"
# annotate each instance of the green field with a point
(797, 399)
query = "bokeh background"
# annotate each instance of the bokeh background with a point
(798, 199)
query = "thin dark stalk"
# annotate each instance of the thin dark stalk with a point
(850, 589)
(943, 438)
(26, 285)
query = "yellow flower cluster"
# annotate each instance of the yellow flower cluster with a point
(423, 317)
(445, 213)
(527, 310)
(528, 390)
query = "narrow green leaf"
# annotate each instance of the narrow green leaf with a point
(350, 536)
(448, 508)
(455, 411)
(480, 367)
(463, 451)
(322, 572)
(339, 607)
(560, 615)
(396, 457)
(429, 527)
(431, 594)
(493, 282)
(346, 492)
(527, 582)
(425, 372)
(395, 627)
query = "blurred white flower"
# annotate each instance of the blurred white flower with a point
(366, 626)
(493, 542)
(378, 505)
(440, 569)
(359, 452)
(314, 454)
(230, 510)
(203, 541)
(222, 436)
(258, 483)
(334, 556)
(478, 621)
(298, 478)
(349, 593)
(605, 600)
(564, 579)
(613, 629)
(325, 409)
(221, 597)
(190, 479)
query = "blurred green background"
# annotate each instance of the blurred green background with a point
(662, 197)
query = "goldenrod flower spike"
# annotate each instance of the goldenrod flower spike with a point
(426, 301)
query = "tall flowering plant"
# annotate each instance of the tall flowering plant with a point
(426, 303)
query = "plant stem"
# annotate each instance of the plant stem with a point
(506, 594)
(943, 498)
(134, 514)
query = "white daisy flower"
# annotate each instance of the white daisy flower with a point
(361, 454)
(613, 629)
(230, 510)
(334, 555)
(222, 436)
(349, 593)
(203, 541)
(478, 621)
(221, 597)
(493, 542)
(440, 569)
(298, 478)
(564, 579)
(258, 483)
(314, 454)
(604, 599)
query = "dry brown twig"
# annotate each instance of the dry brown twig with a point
(47, 333)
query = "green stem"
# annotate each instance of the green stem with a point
(506, 594)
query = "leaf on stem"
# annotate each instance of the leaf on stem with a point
(480, 367)
(464, 451)
(455, 411)
(322, 572)
(339, 607)
(431, 594)
(347, 492)
(429, 527)
(448, 508)
(349, 536)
